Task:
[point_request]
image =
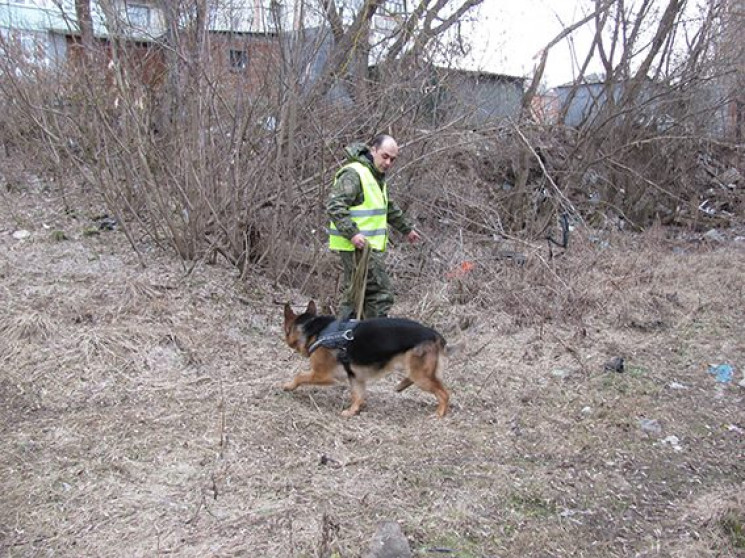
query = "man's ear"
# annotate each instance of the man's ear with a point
(311, 309)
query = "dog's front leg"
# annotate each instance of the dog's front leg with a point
(322, 366)
(309, 378)
(358, 398)
(300, 379)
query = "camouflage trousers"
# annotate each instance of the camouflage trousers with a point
(378, 290)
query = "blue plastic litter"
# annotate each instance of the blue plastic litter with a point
(722, 372)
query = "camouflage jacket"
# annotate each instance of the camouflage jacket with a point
(347, 192)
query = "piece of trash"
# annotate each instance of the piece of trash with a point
(106, 223)
(722, 372)
(586, 410)
(735, 428)
(569, 515)
(677, 385)
(730, 177)
(21, 235)
(463, 269)
(650, 426)
(326, 460)
(614, 365)
(674, 441)
(715, 235)
(560, 373)
(566, 512)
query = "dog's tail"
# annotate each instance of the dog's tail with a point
(442, 354)
(403, 384)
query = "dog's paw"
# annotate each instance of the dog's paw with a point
(349, 412)
(289, 386)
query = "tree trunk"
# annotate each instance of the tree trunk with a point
(85, 26)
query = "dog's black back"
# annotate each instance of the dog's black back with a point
(378, 340)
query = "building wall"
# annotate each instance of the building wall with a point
(653, 105)
(24, 28)
(249, 61)
(476, 98)
(42, 30)
(486, 98)
(587, 101)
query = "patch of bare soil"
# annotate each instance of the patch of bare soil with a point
(141, 412)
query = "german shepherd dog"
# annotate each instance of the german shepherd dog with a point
(377, 346)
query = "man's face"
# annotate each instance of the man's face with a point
(385, 155)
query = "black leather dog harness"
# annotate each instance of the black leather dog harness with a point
(337, 335)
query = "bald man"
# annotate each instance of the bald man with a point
(360, 212)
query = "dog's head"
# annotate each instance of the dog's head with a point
(294, 335)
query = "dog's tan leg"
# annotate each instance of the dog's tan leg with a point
(423, 369)
(443, 399)
(308, 378)
(433, 385)
(322, 365)
(358, 398)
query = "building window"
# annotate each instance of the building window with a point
(24, 46)
(395, 7)
(392, 14)
(238, 60)
(138, 15)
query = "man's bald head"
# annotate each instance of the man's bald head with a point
(384, 151)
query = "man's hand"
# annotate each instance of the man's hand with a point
(359, 241)
(413, 237)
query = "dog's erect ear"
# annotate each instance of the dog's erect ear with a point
(311, 309)
(327, 309)
(289, 314)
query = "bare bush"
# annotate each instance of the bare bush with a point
(648, 138)
(193, 147)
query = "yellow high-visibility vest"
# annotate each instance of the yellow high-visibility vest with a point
(371, 216)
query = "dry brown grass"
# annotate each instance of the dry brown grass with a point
(141, 414)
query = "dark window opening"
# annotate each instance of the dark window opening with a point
(238, 60)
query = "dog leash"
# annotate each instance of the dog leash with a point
(359, 280)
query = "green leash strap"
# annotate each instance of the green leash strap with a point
(359, 279)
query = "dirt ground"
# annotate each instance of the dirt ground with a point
(141, 412)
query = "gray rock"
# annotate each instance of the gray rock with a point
(614, 365)
(389, 542)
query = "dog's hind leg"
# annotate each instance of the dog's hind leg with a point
(424, 367)
(434, 386)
